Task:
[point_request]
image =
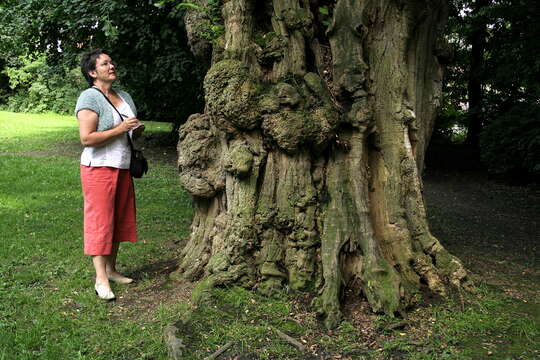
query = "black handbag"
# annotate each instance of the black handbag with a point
(138, 165)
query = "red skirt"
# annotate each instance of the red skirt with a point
(109, 208)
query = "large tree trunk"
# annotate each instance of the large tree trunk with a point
(304, 168)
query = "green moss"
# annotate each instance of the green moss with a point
(270, 269)
(269, 103)
(272, 48)
(301, 278)
(287, 94)
(361, 114)
(264, 88)
(231, 94)
(297, 281)
(265, 211)
(293, 79)
(240, 160)
(229, 67)
(297, 111)
(286, 128)
(445, 262)
(318, 87)
(328, 307)
(202, 292)
(270, 286)
(240, 274)
(382, 287)
(305, 238)
(263, 39)
(298, 19)
(218, 262)
(272, 250)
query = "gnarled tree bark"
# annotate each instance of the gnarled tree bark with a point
(305, 167)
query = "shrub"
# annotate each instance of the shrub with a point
(450, 125)
(511, 142)
(38, 87)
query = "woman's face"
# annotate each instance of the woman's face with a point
(105, 69)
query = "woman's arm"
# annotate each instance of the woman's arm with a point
(89, 135)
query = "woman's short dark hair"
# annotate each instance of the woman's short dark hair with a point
(88, 63)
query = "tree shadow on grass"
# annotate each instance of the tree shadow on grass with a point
(491, 225)
(154, 270)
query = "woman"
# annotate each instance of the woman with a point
(109, 199)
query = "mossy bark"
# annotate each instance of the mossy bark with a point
(305, 167)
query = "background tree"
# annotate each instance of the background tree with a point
(510, 142)
(305, 165)
(148, 42)
(477, 38)
(497, 61)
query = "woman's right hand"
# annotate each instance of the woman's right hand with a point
(130, 124)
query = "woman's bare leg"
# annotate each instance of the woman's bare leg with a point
(111, 266)
(111, 259)
(100, 264)
(103, 288)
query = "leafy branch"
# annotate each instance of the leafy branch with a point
(212, 27)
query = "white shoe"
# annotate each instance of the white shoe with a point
(104, 292)
(120, 279)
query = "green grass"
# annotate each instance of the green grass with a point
(47, 305)
(48, 309)
(252, 322)
(486, 325)
(35, 132)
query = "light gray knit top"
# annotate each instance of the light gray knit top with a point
(92, 99)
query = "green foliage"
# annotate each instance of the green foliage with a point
(148, 43)
(509, 76)
(211, 26)
(450, 126)
(263, 38)
(325, 15)
(511, 142)
(213, 11)
(324, 10)
(189, 5)
(179, 4)
(39, 87)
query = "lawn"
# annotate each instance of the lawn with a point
(48, 309)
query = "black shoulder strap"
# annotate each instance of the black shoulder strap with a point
(118, 112)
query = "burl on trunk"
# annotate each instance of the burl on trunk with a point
(305, 167)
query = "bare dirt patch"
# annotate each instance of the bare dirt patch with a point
(493, 227)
